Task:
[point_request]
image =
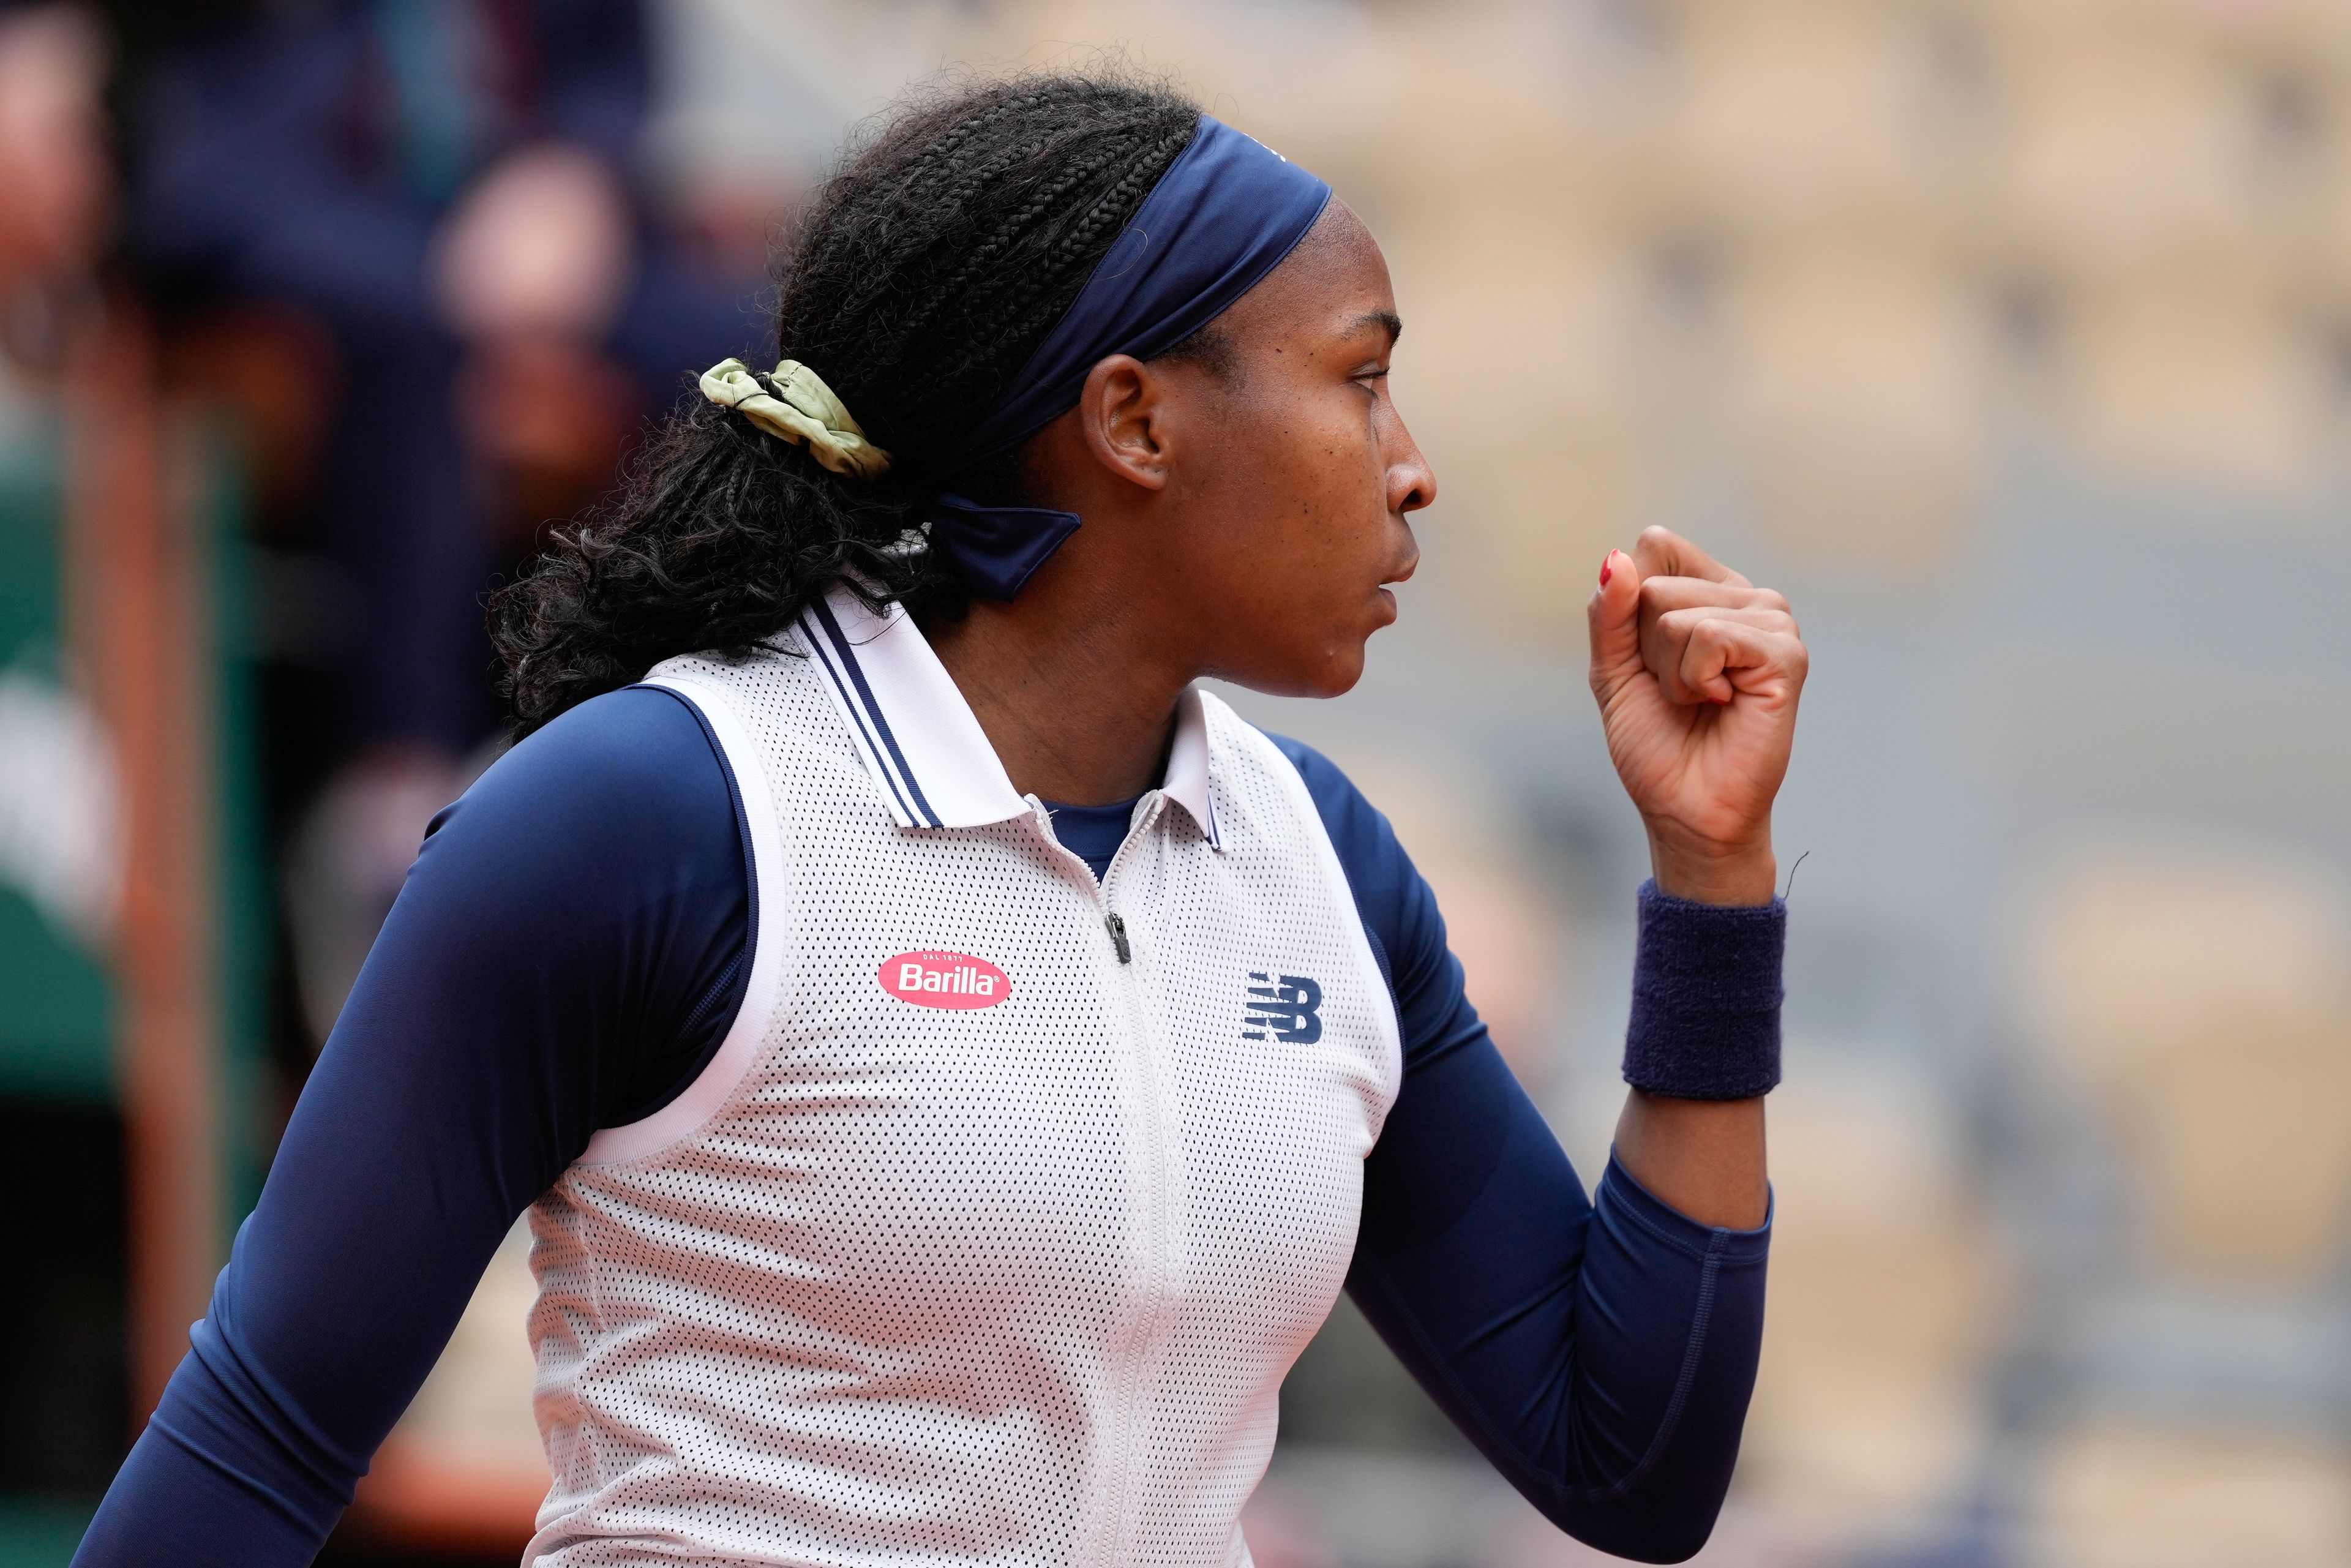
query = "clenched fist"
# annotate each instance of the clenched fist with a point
(1698, 673)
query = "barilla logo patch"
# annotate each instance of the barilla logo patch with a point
(935, 979)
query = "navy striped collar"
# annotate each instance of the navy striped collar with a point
(920, 739)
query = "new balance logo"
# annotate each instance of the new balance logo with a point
(1289, 1008)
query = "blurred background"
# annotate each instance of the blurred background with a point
(2011, 338)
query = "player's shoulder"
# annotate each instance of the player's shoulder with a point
(1397, 905)
(1344, 809)
(639, 760)
(1368, 849)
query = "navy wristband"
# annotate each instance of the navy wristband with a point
(1705, 999)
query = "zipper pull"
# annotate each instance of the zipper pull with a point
(1118, 938)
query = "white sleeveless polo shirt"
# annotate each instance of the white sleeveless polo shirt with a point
(989, 1232)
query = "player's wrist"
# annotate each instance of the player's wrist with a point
(1706, 989)
(1705, 871)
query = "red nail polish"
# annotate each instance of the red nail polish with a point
(1608, 568)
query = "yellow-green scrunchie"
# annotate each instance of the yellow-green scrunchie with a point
(802, 411)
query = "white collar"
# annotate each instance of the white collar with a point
(921, 741)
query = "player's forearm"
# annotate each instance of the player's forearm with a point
(1702, 1158)
(1600, 1356)
(1669, 1332)
(1701, 1049)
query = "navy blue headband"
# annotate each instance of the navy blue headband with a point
(1225, 214)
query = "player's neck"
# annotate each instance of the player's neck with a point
(1072, 682)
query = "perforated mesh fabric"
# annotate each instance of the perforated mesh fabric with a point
(1013, 1284)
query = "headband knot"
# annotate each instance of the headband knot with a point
(802, 410)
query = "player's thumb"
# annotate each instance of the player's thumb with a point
(1615, 613)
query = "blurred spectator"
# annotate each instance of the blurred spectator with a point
(57, 184)
(59, 842)
(433, 202)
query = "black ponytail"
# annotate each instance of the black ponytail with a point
(923, 276)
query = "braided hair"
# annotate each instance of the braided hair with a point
(922, 277)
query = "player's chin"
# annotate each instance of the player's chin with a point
(1342, 664)
(1322, 667)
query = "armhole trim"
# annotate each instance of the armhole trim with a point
(1370, 950)
(1381, 959)
(698, 1102)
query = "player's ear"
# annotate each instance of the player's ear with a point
(1122, 412)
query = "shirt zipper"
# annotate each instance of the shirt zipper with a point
(1157, 1286)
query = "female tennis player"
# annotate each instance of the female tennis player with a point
(951, 1064)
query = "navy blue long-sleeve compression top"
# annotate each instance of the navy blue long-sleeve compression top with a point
(569, 952)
